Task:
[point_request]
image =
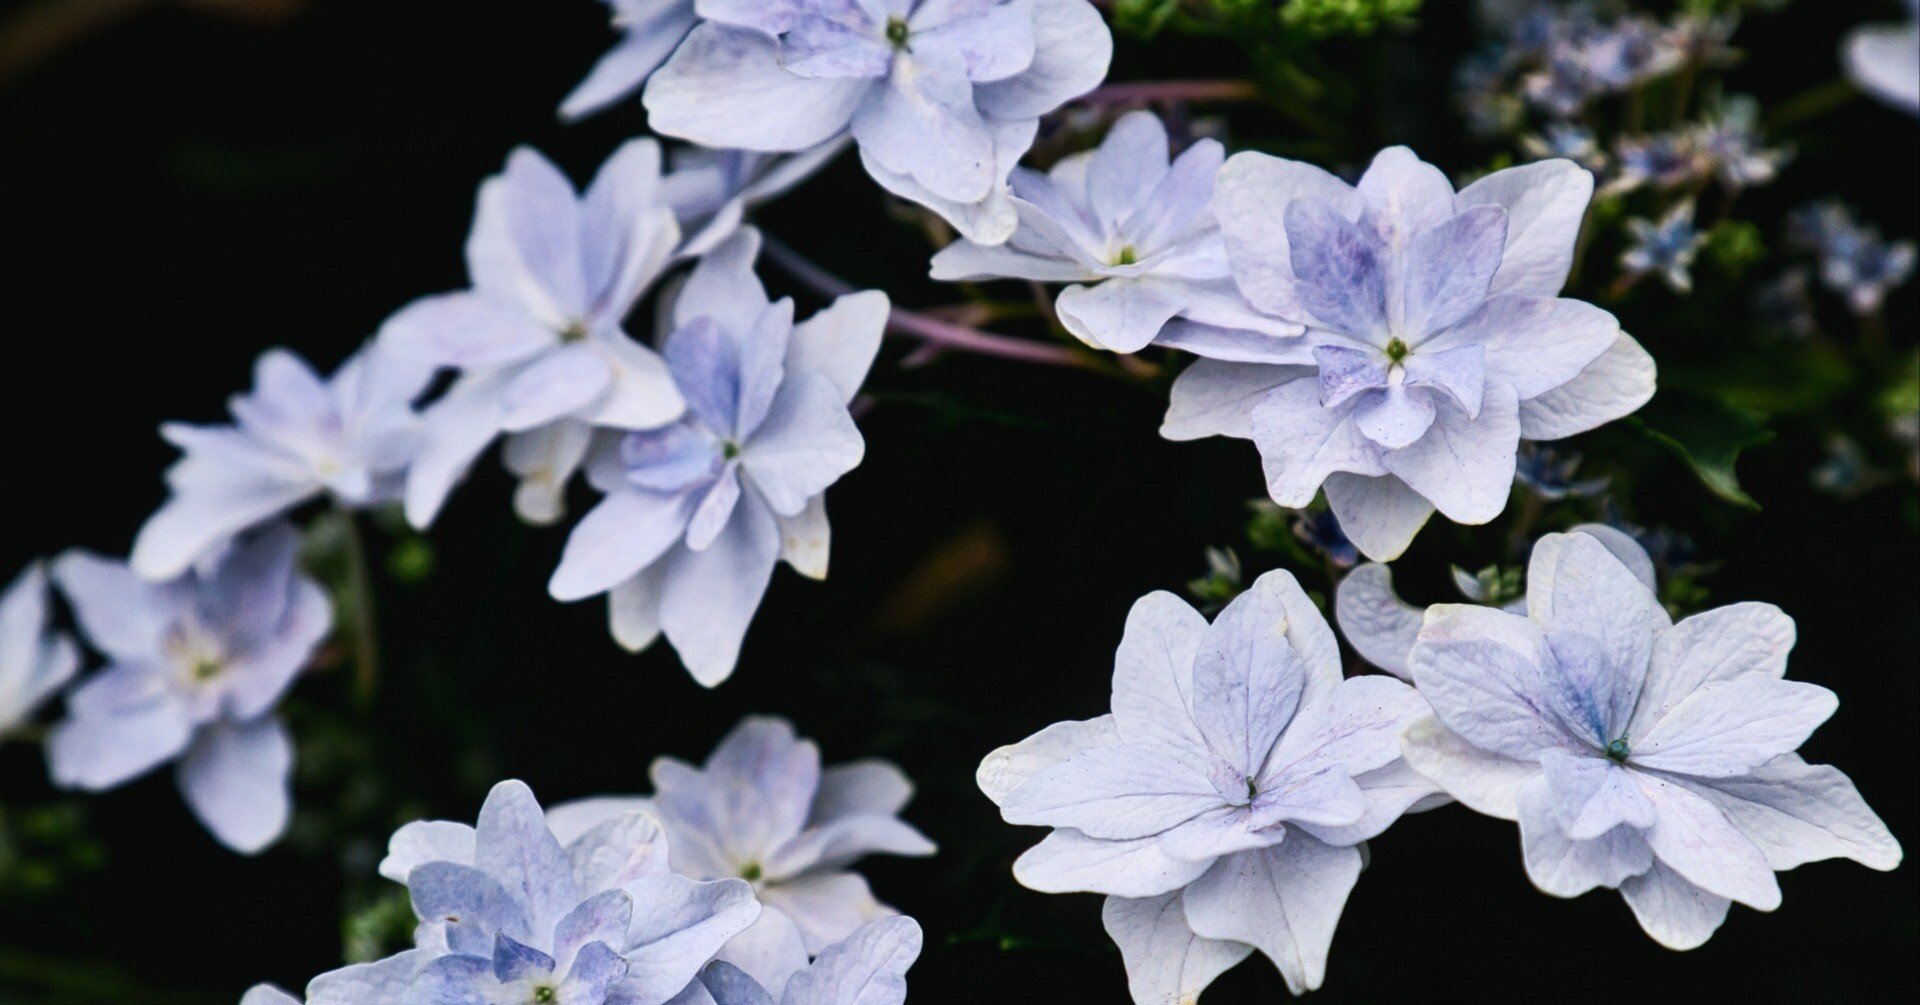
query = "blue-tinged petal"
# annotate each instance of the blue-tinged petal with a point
(1487, 675)
(837, 39)
(96, 752)
(1327, 797)
(1726, 728)
(1536, 345)
(513, 845)
(238, 781)
(452, 980)
(725, 88)
(763, 355)
(1153, 678)
(602, 918)
(1590, 795)
(1122, 314)
(1247, 679)
(513, 961)
(1072, 48)
(1009, 767)
(1797, 813)
(1394, 416)
(1176, 208)
(469, 329)
(824, 907)
(807, 443)
(1067, 861)
(525, 244)
(1215, 398)
(1251, 196)
(424, 841)
(991, 219)
(1672, 911)
(1114, 793)
(1355, 725)
(706, 367)
(627, 231)
(456, 429)
(678, 925)
(641, 49)
(196, 523)
(1613, 385)
(1340, 274)
(1565, 866)
(869, 967)
(470, 906)
(618, 538)
(618, 850)
(595, 971)
(1380, 515)
(670, 459)
(714, 509)
(556, 385)
(1545, 203)
(1723, 644)
(1165, 961)
(1692, 837)
(711, 595)
(1377, 623)
(922, 123)
(1125, 169)
(1576, 587)
(1405, 197)
(995, 40)
(841, 341)
(1460, 373)
(726, 984)
(769, 17)
(1464, 466)
(1284, 901)
(120, 613)
(1301, 443)
(1449, 269)
(380, 981)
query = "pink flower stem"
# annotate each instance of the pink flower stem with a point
(1147, 91)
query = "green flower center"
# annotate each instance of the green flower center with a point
(545, 994)
(729, 450)
(1397, 351)
(751, 872)
(1127, 256)
(206, 670)
(1617, 751)
(575, 332)
(897, 32)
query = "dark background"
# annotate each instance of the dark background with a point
(186, 184)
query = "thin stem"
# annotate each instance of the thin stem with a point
(359, 589)
(1807, 104)
(1145, 91)
(932, 330)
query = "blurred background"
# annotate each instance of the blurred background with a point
(188, 182)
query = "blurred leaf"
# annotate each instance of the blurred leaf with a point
(1709, 435)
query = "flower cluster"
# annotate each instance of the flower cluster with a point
(621, 901)
(1853, 260)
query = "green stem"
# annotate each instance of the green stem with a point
(359, 592)
(1810, 103)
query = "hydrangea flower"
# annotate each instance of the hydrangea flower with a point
(1665, 249)
(1733, 143)
(1381, 627)
(1662, 160)
(761, 809)
(1432, 340)
(1220, 807)
(295, 438)
(1584, 59)
(194, 669)
(942, 97)
(526, 907)
(34, 662)
(538, 338)
(649, 32)
(1131, 231)
(868, 967)
(1635, 753)
(1553, 476)
(1855, 261)
(698, 513)
(712, 190)
(1884, 60)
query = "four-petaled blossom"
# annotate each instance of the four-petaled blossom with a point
(534, 907)
(1636, 753)
(1382, 628)
(1666, 249)
(868, 967)
(1221, 805)
(538, 338)
(296, 437)
(649, 32)
(942, 96)
(34, 662)
(195, 668)
(697, 514)
(1433, 338)
(1884, 60)
(762, 810)
(1132, 231)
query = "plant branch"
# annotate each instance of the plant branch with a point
(1145, 91)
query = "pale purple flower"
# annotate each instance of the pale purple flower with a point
(1732, 142)
(35, 661)
(538, 338)
(1432, 340)
(1584, 59)
(296, 437)
(942, 97)
(712, 190)
(1569, 141)
(761, 809)
(649, 32)
(194, 669)
(1884, 60)
(1662, 160)
(1665, 249)
(868, 967)
(529, 906)
(1221, 806)
(1381, 627)
(1635, 753)
(1132, 232)
(698, 513)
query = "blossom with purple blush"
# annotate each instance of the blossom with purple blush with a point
(1635, 753)
(942, 98)
(35, 660)
(1433, 338)
(538, 339)
(195, 667)
(1666, 248)
(1732, 142)
(1854, 260)
(1220, 806)
(697, 513)
(295, 437)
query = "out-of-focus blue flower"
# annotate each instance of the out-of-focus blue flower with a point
(1554, 476)
(1785, 305)
(538, 338)
(1661, 160)
(1731, 140)
(295, 437)
(34, 660)
(943, 98)
(1133, 233)
(194, 669)
(1855, 261)
(1570, 141)
(1884, 60)
(698, 513)
(1666, 249)
(1585, 58)
(1320, 532)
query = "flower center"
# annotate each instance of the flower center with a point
(897, 32)
(1617, 751)
(545, 994)
(1252, 792)
(751, 872)
(1127, 256)
(575, 332)
(1397, 351)
(205, 670)
(729, 450)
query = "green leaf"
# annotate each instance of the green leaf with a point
(1708, 434)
